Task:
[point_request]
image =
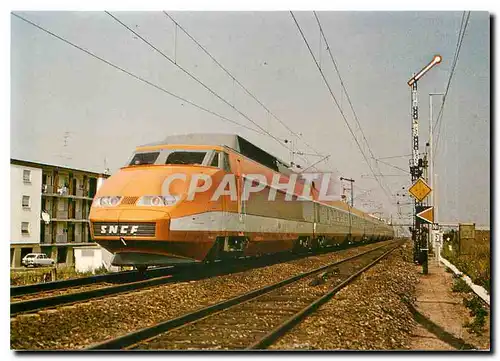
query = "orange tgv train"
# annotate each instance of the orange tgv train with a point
(133, 218)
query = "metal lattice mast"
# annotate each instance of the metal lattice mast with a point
(416, 167)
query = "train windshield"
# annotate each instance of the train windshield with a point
(144, 158)
(185, 157)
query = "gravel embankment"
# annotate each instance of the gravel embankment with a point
(80, 325)
(368, 314)
(62, 291)
(242, 325)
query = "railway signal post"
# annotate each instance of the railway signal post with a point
(352, 189)
(417, 165)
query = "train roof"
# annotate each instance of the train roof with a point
(233, 141)
(344, 206)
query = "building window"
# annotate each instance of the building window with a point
(26, 202)
(26, 176)
(25, 227)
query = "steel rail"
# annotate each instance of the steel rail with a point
(154, 277)
(287, 325)
(37, 304)
(131, 339)
(17, 291)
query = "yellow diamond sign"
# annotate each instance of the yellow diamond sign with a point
(420, 189)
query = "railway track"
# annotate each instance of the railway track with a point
(67, 292)
(245, 321)
(40, 289)
(46, 287)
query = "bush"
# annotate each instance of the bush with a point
(19, 278)
(27, 277)
(475, 263)
(459, 285)
(477, 311)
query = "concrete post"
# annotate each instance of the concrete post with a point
(70, 258)
(53, 254)
(16, 261)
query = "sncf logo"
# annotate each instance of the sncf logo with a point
(119, 229)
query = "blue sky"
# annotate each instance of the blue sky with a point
(58, 90)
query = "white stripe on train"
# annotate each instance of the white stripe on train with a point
(234, 222)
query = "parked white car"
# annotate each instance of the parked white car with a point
(37, 259)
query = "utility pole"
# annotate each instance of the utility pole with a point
(417, 165)
(431, 147)
(352, 189)
(431, 178)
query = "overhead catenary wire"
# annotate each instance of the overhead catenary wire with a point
(338, 105)
(245, 89)
(393, 166)
(460, 39)
(439, 121)
(137, 77)
(460, 32)
(348, 97)
(342, 82)
(395, 156)
(192, 76)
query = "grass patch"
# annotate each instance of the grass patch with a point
(474, 261)
(477, 311)
(459, 285)
(20, 278)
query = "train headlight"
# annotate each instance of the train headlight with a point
(158, 201)
(107, 201)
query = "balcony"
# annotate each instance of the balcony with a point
(63, 191)
(62, 214)
(62, 238)
(47, 237)
(49, 191)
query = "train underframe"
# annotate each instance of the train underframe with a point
(142, 253)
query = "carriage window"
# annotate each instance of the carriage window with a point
(144, 158)
(185, 158)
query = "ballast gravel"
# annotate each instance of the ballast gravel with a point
(368, 314)
(84, 324)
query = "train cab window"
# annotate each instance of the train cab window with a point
(215, 160)
(185, 157)
(225, 162)
(144, 158)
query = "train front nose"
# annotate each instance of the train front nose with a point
(129, 224)
(130, 217)
(136, 237)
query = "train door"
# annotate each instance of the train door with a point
(225, 204)
(349, 232)
(309, 216)
(241, 202)
(316, 219)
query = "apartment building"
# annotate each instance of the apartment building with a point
(50, 206)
